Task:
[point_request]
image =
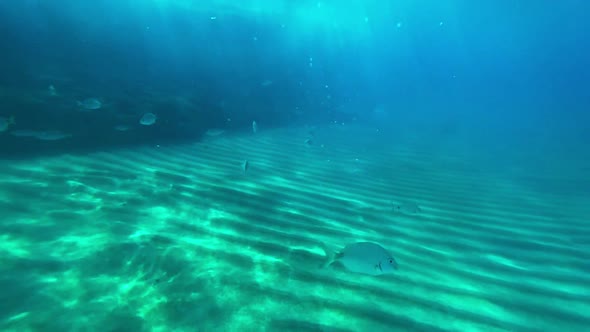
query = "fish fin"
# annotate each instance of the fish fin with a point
(330, 256)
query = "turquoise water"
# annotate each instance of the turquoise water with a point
(179, 238)
(452, 134)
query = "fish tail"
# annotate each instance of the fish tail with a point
(330, 254)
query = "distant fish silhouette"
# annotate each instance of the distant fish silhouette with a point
(90, 104)
(52, 135)
(408, 207)
(148, 119)
(245, 166)
(214, 132)
(122, 128)
(52, 91)
(254, 127)
(24, 133)
(6, 123)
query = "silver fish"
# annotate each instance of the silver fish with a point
(364, 258)
(90, 104)
(254, 127)
(148, 119)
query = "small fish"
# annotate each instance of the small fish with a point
(408, 207)
(52, 91)
(245, 166)
(90, 104)
(214, 132)
(6, 123)
(52, 135)
(24, 133)
(121, 128)
(364, 258)
(254, 127)
(148, 119)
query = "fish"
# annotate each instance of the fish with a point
(214, 132)
(52, 135)
(148, 119)
(24, 133)
(46, 135)
(6, 123)
(254, 127)
(245, 166)
(121, 128)
(90, 104)
(52, 91)
(408, 207)
(363, 258)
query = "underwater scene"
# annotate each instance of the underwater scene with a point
(294, 165)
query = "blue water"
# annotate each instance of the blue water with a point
(503, 84)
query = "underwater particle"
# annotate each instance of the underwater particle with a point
(399, 25)
(363, 257)
(440, 24)
(90, 104)
(148, 119)
(213, 18)
(5, 123)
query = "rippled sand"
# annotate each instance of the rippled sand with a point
(178, 238)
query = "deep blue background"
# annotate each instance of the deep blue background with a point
(515, 71)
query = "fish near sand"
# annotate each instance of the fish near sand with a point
(245, 166)
(363, 257)
(5, 123)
